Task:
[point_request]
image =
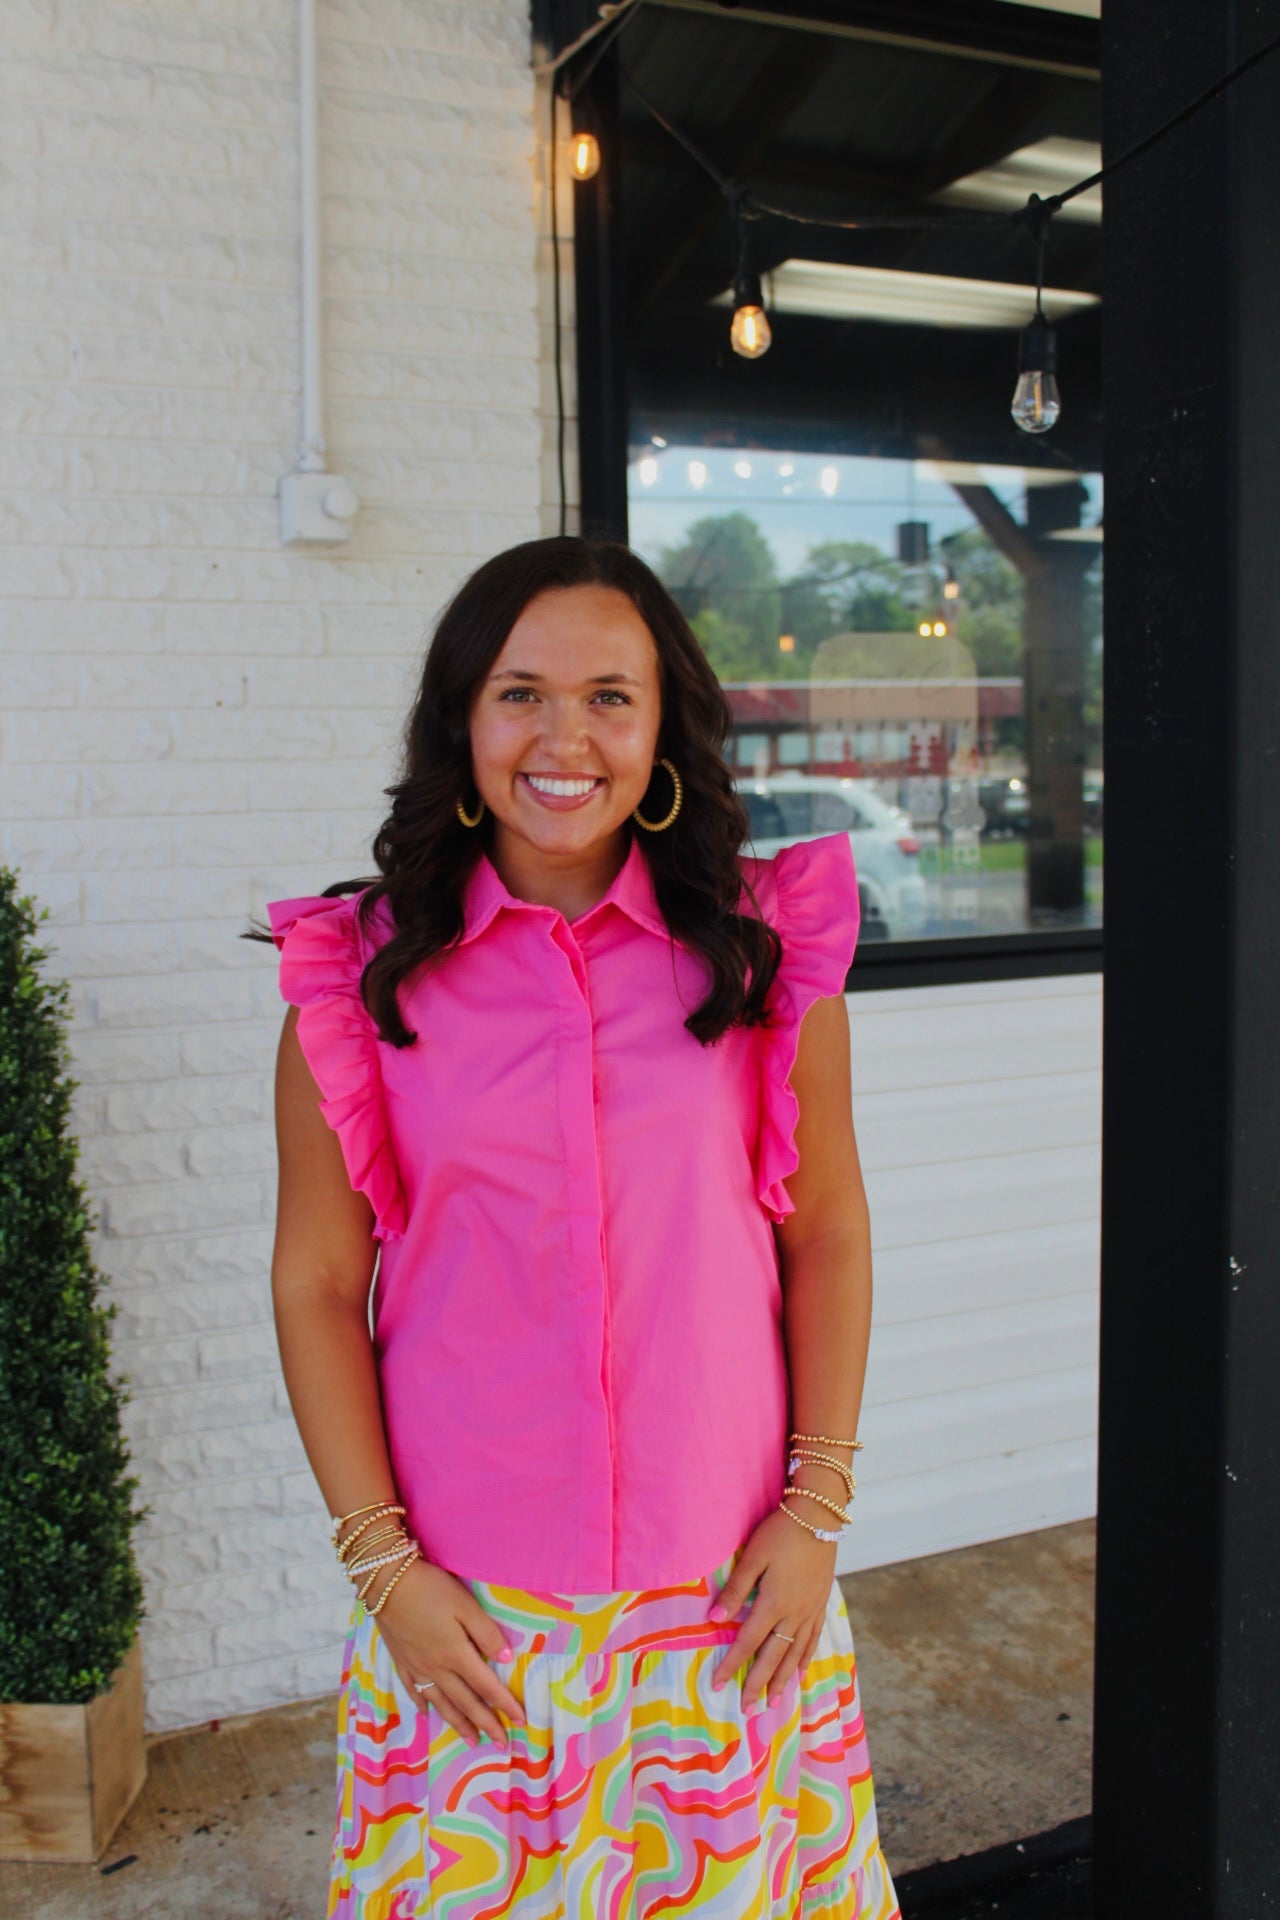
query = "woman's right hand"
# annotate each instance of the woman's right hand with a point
(436, 1629)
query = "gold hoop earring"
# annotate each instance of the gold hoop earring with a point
(656, 826)
(465, 817)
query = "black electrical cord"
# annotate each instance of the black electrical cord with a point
(557, 323)
(1036, 212)
(1056, 200)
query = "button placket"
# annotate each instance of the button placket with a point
(579, 1104)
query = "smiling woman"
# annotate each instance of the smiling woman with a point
(565, 728)
(575, 1101)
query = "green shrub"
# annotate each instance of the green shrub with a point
(70, 1595)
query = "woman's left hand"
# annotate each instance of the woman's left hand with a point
(794, 1571)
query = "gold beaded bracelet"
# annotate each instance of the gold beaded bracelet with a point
(340, 1519)
(414, 1553)
(825, 1460)
(821, 1498)
(410, 1548)
(375, 1540)
(828, 1440)
(828, 1533)
(379, 1513)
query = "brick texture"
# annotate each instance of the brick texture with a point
(196, 719)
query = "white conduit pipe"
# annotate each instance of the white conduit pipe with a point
(311, 455)
(317, 508)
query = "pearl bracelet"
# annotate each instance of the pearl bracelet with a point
(358, 1567)
(822, 1533)
(414, 1553)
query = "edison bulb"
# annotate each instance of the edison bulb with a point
(584, 156)
(750, 333)
(1036, 401)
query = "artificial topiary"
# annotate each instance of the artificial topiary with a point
(70, 1595)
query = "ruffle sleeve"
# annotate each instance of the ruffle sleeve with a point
(816, 912)
(318, 939)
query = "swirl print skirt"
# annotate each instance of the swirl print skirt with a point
(637, 1791)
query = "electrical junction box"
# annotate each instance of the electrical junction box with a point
(316, 508)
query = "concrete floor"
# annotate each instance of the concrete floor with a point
(976, 1669)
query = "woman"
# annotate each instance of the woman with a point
(585, 1456)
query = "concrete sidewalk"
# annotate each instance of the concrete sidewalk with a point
(976, 1670)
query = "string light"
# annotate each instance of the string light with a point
(750, 335)
(584, 156)
(1037, 403)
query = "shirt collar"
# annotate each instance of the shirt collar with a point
(485, 892)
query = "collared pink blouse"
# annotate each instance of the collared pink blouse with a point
(578, 1306)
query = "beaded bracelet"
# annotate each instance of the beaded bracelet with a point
(828, 1440)
(379, 1513)
(414, 1553)
(821, 1498)
(825, 1460)
(340, 1519)
(380, 1560)
(410, 1550)
(379, 1539)
(821, 1532)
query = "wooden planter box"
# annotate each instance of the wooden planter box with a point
(68, 1775)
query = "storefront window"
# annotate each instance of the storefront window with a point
(912, 651)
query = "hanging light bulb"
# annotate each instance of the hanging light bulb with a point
(1036, 400)
(750, 335)
(584, 156)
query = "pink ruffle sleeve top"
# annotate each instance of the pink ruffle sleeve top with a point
(577, 1310)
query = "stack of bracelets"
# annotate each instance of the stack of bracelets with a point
(801, 1454)
(363, 1553)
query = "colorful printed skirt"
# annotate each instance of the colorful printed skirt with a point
(637, 1791)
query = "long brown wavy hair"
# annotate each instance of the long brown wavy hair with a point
(424, 853)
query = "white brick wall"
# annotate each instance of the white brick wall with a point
(196, 720)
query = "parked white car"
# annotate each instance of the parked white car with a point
(787, 807)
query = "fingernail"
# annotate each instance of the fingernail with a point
(471, 1739)
(718, 1613)
(507, 1653)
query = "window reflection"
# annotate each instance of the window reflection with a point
(876, 625)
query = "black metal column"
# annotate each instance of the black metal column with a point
(1187, 1736)
(601, 322)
